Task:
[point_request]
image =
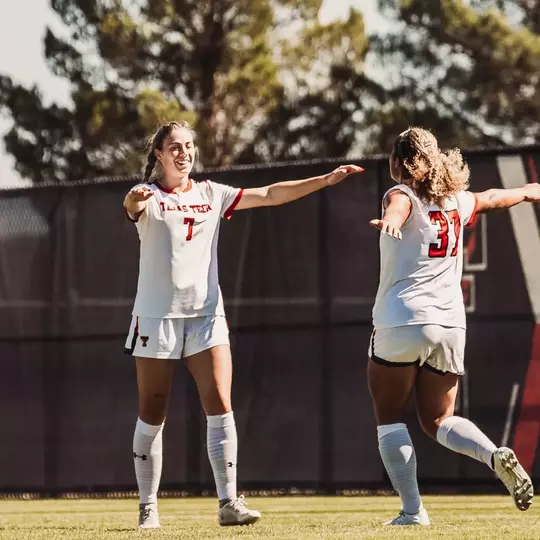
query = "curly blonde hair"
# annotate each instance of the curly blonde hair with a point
(434, 175)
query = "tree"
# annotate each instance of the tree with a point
(521, 12)
(222, 64)
(470, 71)
(322, 112)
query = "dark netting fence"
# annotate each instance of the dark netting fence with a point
(299, 283)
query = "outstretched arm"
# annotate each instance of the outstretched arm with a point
(494, 199)
(284, 192)
(396, 212)
(136, 200)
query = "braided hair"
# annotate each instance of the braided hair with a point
(434, 175)
(156, 143)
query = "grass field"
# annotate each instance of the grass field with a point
(294, 518)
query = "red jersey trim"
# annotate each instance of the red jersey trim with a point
(166, 190)
(472, 219)
(229, 212)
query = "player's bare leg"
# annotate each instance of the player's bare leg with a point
(436, 397)
(154, 377)
(390, 388)
(212, 371)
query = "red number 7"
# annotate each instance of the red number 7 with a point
(189, 221)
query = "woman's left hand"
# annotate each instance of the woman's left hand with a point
(532, 192)
(341, 173)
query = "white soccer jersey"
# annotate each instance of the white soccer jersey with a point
(420, 276)
(178, 269)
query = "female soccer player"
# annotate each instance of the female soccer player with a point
(418, 340)
(178, 312)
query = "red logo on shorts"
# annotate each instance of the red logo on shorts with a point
(144, 340)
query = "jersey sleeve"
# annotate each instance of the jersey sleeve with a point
(229, 197)
(467, 207)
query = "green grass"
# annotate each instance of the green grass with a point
(294, 518)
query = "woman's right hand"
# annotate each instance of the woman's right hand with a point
(386, 227)
(135, 201)
(139, 194)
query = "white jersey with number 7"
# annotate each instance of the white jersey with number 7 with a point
(420, 276)
(178, 269)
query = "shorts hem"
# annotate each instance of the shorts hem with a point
(418, 323)
(180, 316)
(387, 363)
(440, 371)
(205, 347)
(157, 356)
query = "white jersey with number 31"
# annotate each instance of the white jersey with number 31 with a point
(420, 276)
(178, 270)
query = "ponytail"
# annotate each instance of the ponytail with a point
(150, 164)
(432, 174)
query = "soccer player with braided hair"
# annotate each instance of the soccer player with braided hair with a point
(418, 340)
(178, 311)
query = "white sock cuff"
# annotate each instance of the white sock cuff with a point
(221, 420)
(445, 426)
(386, 429)
(148, 429)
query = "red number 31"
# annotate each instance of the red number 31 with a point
(437, 217)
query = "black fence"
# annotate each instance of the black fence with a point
(299, 283)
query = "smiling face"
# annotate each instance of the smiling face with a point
(177, 156)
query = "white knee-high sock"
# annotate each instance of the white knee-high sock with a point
(399, 458)
(222, 445)
(462, 436)
(148, 459)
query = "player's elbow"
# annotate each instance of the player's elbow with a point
(270, 196)
(488, 200)
(493, 198)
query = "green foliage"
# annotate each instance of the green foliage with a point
(265, 80)
(466, 70)
(322, 112)
(222, 65)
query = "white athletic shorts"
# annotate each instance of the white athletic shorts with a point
(439, 348)
(175, 338)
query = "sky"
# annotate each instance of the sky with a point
(22, 27)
